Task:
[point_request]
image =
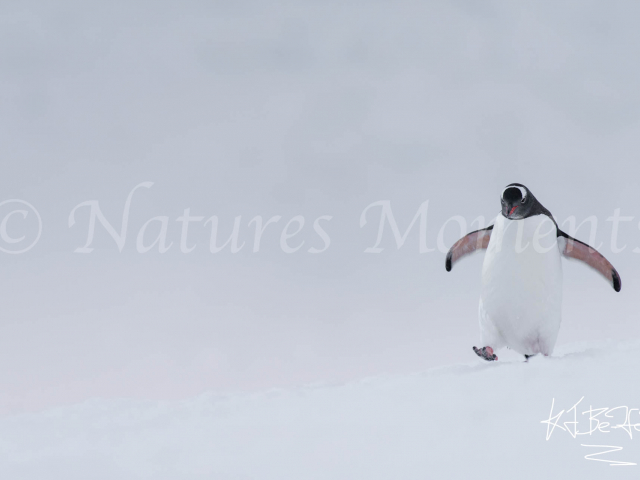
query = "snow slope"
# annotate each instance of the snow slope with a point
(454, 422)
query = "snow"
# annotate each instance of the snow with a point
(451, 422)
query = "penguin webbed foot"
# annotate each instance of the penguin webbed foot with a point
(527, 357)
(486, 353)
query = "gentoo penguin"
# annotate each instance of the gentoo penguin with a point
(521, 297)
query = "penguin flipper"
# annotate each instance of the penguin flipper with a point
(573, 248)
(478, 240)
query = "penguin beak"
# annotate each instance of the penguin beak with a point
(513, 209)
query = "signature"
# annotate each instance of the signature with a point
(599, 420)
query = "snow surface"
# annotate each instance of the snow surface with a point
(453, 422)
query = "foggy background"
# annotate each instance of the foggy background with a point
(295, 108)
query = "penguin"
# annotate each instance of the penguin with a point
(521, 295)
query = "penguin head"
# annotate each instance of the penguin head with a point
(517, 202)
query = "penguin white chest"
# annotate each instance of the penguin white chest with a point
(521, 299)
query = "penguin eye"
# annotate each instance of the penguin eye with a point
(524, 199)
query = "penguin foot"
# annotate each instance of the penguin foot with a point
(486, 353)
